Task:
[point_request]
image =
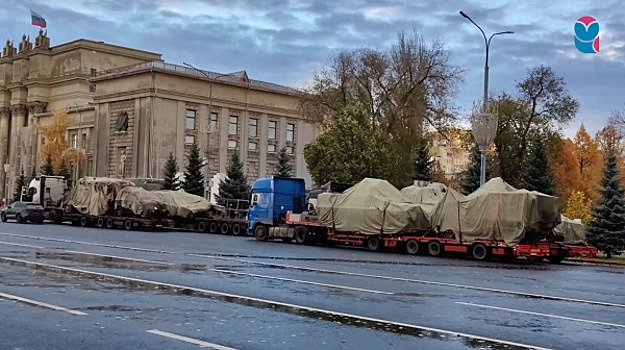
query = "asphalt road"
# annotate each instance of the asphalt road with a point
(110, 289)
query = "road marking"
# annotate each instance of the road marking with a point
(121, 257)
(541, 314)
(411, 280)
(41, 304)
(22, 245)
(189, 340)
(442, 284)
(269, 304)
(302, 281)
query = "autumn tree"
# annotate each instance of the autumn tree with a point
(235, 185)
(47, 168)
(171, 171)
(540, 105)
(54, 134)
(284, 167)
(606, 229)
(423, 162)
(193, 177)
(565, 169)
(590, 163)
(348, 151)
(402, 90)
(578, 207)
(610, 139)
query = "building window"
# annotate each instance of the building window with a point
(84, 141)
(273, 126)
(91, 87)
(75, 140)
(290, 132)
(212, 126)
(189, 122)
(271, 148)
(189, 139)
(233, 125)
(94, 72)
(252, 146)
(232, 144)
(290, 150)
(253, 130)
(43, 141)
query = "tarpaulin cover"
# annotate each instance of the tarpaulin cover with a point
(141, 202)
(572, 231)
(372, 206)
(433, 193)
(498, 211)
(188, 206)
(95, 195)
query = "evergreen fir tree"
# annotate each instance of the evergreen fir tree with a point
(471, 178)
(171, 169)
(234, 186)
(539, 177)
(47, 168)
(17, 195)
(606, 230)
(64, 171)
(193, 177)
(284, 168)
(422, 170)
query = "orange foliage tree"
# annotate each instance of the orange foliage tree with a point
(590, 163)
(565, 169)
(54, 134)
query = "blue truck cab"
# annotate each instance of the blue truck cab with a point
(271, 198)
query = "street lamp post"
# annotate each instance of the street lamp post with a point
(485, 97)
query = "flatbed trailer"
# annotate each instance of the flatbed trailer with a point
(307, 230)
(59, 216)
(232, 222)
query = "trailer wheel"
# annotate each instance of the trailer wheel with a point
(83, 221)
(55, 217)
(3, 217)
(201, 226)
(555, 259)
(260, 233)
(375, 244)
(435, 248)
(100, 222)
(128, 224)
(480, 252)
(213, 227)
(412, 247)
(301, 235)
(236, 229)
(109, 223)
(225, 228)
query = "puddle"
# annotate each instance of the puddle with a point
(103, 261)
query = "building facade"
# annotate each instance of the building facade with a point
(451, 154)
(129, 110)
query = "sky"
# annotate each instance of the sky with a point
(287, 41)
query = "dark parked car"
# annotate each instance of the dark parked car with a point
(23, 212)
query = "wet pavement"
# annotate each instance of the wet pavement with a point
(243, 294)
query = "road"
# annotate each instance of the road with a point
(65, 287)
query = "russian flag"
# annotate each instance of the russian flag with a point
(37, 19)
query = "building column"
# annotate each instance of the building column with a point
(34, 108)
(18, 116)
(4, 148)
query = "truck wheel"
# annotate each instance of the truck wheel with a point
(412, 247)
(109, 223)
(201, 226)
(55, 217)
(301, 235)
(236, 229)
(213, 227)
(19, 219)
(435, 248)
(260, 233)
(3, 217)
(375, 244)
(83, 221)
(128, 224)
(100, 223)
(225, 228)
(480, 252)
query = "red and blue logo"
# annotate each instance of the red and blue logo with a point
(587, 34)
